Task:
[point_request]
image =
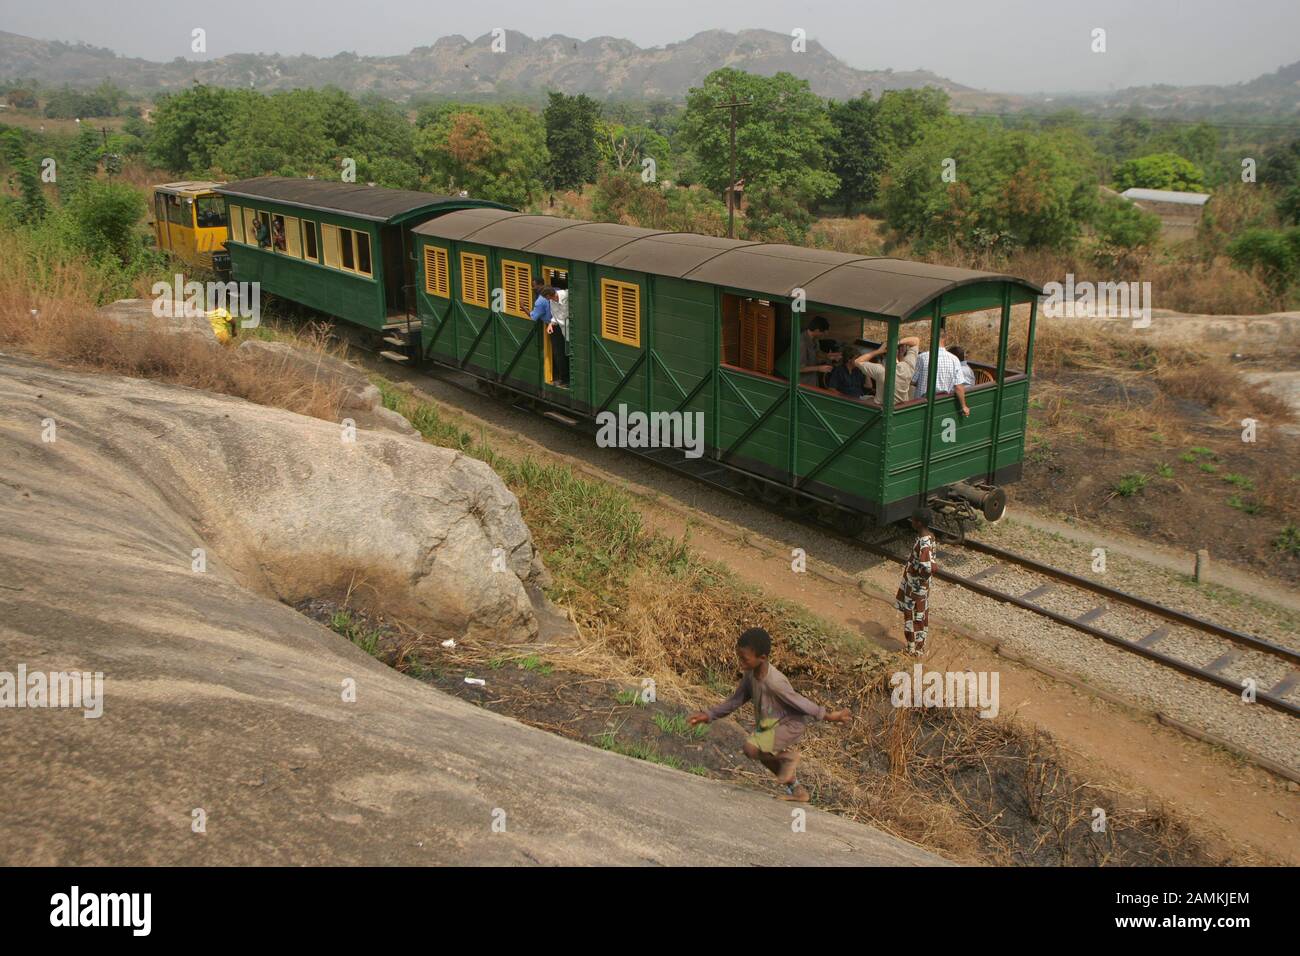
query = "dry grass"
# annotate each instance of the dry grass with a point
(48, 311)
(985, 791)
(859, 235)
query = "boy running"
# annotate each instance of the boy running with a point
(781, 713)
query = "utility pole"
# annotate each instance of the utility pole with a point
(731, 188)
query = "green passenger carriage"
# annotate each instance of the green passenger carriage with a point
(340, 248)
(673, 322)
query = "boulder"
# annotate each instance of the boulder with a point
(289, 505)
(359, 394)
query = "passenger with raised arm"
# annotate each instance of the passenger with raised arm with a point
(905, 368)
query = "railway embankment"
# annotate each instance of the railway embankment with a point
(154, 535)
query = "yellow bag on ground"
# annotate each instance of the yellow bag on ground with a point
(223, 325)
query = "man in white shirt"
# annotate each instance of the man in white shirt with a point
(559, 329)
(947, 375)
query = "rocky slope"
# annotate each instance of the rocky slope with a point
(236, 731)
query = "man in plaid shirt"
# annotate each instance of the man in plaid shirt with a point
(948, 377)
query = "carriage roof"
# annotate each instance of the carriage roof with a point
(879, 285)
(372, 203)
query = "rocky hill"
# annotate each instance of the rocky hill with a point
(603, 67)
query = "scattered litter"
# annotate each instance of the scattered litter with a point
(476, 680)
(449, 642)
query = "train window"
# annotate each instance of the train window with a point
(279, 238)
(292, 237)
(329, 236)
(620, 312)
(1018, 338)
(517, 285)
(309, 248)
(362, 240)
(237, 223)
(347, 251)
(436, 281)
(551, 273)
(250, 226)
(211, 212)
(473, 279)
(748, 333)
(975, 334)
(180, 212)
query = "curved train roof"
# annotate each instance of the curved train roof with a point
(374, 203)
(876, 284)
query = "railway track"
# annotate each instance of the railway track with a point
(1197, 648)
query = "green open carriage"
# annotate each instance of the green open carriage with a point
(672, 322)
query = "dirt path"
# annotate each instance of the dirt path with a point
(1233, 803)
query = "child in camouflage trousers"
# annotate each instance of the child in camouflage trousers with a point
(913, 595)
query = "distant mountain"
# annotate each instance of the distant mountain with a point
(1276, 93)
(604, 67)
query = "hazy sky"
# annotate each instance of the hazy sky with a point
(1011, 45)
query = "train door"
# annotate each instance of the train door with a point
(556, 347)
(755, 398)
(396, 268)
(161, 232)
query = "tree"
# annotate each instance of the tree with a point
(284, 134)
(106, 215)
(904, 117)
(493, 152)
(991, 189)
(625, 148)
(780, 143)
(1159, 171)
(21, 99)
(1274, 255)
(571, 138)
(1123, 230)
(624, 198)
(855, 153)
(189, 127)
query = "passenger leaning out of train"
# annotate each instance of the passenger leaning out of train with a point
(947, 376)
(559, 330)
(905, 367)
(544, 311)
(812, 361)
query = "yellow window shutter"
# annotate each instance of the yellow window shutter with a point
(436, 281)
(620, 312)
(516, 283)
